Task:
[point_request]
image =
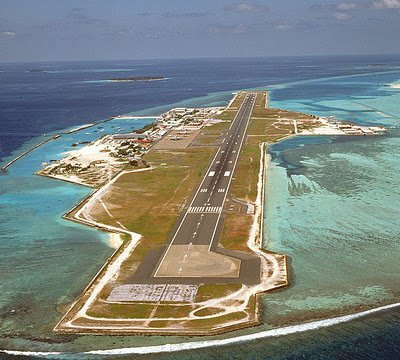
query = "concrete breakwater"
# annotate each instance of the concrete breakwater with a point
(3, 168)
(53, 137)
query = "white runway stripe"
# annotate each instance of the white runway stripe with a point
(204, 209)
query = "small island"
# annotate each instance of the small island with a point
(182, 200)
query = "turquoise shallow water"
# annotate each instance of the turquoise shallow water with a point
(332, 206)
(44, 258)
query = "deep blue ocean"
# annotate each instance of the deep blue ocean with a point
(332, 204)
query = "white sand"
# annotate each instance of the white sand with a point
(97, 151)
(115, 240)
(323, 130)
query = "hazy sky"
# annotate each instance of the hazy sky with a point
(33, 30)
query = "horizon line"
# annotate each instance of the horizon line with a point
(197, 58)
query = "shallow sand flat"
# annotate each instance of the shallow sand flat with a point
(197, 261)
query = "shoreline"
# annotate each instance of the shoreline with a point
(277, 263)
(20, 156)
(192, 345)
(66, 132)
(277, 330)
(269, 282)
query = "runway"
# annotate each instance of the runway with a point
(200, 224)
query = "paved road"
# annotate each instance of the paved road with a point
(201, 219)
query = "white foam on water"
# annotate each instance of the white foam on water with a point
(30, 353)
(287, 330)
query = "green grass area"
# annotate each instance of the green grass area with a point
(213, 291)
(235, 232)
(266, 125)
(218, 126)
(208, 311)
(172, 311)
(199, 324)
(227, 115)
(206, 140)
(230, 113)
(128, 311)
(160, 324)
(149, 203)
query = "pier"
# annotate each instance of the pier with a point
(56, 136)
(3, 168)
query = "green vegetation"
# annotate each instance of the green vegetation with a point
(128, 311)
(208, 323)
(213, 291)
(140, 200)
(149, 202)
(173, 311)
(208, 311)
(267, 125)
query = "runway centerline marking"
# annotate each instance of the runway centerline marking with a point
(239, 123)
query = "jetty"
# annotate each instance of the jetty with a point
(3, 168)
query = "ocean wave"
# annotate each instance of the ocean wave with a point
(195, 345)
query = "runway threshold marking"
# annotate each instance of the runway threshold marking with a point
(204, 209)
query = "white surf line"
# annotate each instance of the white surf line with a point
(30, 353)
(283, 331)
(287, 330)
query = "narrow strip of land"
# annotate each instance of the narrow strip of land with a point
(197, 232)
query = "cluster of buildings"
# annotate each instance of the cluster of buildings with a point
(352, 129)
(331, 126)
(192, 117)
(181, 119)
(94, 163)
